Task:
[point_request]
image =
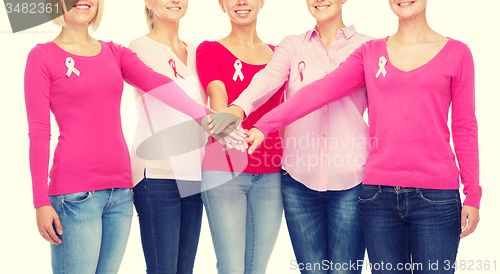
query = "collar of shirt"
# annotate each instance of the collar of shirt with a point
(346, 32)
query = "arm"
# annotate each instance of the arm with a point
(267, 81)
(139, 75)
(465, 139)
(212, 81)
(37, 98)
(263, 86)
(348, 77)
(210, 76)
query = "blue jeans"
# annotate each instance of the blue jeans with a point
(170, 225)
(410, 230)
(324, 228)
(96, 226)
(245, 216)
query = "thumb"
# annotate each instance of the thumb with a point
(463, 222)
(253, 147)
(255, 143)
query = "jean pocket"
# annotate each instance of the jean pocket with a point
(76, 198)
(439, 196)
(368, 194)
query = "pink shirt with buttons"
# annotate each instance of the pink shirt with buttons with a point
(327, 149)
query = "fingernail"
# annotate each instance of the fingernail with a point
(60, 232)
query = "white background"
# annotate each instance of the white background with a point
(474, 22)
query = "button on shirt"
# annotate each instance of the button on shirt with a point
(327, 149)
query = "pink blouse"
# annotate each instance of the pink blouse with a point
(326, 149)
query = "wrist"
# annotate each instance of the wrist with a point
(238, 111)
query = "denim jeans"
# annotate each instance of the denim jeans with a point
(410, 228)
(324, 228)
(96, 227)
(170, 225)
(244, 215)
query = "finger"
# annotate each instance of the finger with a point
(243, 146)
(227, 138)
(238, 146)
(209, 124)
(220, 123)
(58, 225)
(241, 132)
(45, 235)
(470, 228)
(236, 139)
(255, 141)
(225, 120)
(45, 231)
(254, 146)
(222, 141)
(42, 229)
(463, 222)
(54, 239)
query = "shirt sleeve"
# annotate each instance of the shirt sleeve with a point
(207, 64)
(139, 75)
(37, 84)
(464, 128)
(348, 77)
(267, 81)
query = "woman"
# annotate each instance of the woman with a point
(410, 209)
(320, 193)
(80, 79)
(167, 192)
(241, 194)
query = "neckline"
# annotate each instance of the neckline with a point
(81, 56)
(417, 68)
(239, 58)
(177, 59)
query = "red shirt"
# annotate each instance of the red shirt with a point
(215, 62)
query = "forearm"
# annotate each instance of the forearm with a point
(216, 91)
(266, 82)
(332, 87)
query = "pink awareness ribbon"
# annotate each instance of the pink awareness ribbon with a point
(381, 64)
(302, 67)
(171, 62)
(70, 64)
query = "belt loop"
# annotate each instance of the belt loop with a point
(379, 188)
(417, 190)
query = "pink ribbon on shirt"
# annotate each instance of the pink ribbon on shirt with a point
(171, 62)
(302, 67)
(70, 64)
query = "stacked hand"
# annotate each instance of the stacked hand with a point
(226, 128)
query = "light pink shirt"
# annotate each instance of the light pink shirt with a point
(327, 149)
(184, 166)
